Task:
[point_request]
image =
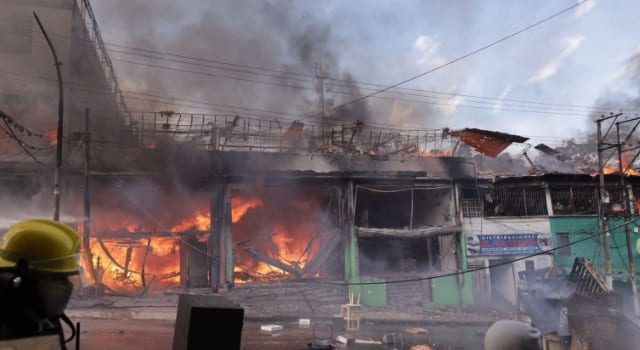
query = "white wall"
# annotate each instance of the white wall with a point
(505, 276)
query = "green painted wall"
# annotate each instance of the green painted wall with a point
(454, 291)
(583, 226)
(374, 294)
(351, 271)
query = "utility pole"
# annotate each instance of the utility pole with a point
(627, 217)
(321, 87)
(86, 227)
(602, 217)
(56, 190)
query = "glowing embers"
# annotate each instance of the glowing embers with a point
(52, 136)
(125, 265)
(435, 153)
(287, 233)
(627, 168)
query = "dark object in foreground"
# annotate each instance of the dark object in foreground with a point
(207, 322)
(512, 335)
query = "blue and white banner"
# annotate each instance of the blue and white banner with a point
(506, 244)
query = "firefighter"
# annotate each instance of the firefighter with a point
(37, 257)
(512, 335)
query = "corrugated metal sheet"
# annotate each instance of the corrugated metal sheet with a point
(489, 143)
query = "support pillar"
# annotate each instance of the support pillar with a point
(352, 274)
(214, 238)
(220, 247)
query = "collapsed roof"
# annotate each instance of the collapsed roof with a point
(488, 143)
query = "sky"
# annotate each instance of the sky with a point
(547, 83)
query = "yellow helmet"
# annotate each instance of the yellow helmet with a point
(45, 245)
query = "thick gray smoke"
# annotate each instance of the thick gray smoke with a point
(624, 99)
(582, 152)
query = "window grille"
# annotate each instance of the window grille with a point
(471, 207)
(573, 200)
(515, 201)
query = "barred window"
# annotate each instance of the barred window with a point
(471, 207)
(471, 203)
(515, 201)
(574, 200)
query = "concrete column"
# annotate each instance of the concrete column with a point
(220, 247)
(547, 197)
(214, 238)
(351, 248)
(226, 247)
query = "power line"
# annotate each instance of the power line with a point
(22, 145)
(546, 112)
(351, 83)
(358, 97)
(460, 105)
(128, 93)
(459, 58)
(106, 92)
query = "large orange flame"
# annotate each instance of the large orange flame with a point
(240, 206)
(198, 222)
(119, 268)
(286, 230)
(283, 230)
(626, 166)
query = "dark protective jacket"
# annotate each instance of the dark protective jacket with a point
(22, 312)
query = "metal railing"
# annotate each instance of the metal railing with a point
(91, 25)
(242, 133)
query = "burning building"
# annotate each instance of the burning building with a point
(184, 200)
(242, 204)
(219, 218)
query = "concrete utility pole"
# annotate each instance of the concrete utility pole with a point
(602, 218)
(627, 216)
(56, 190)
(86, 227)
(321, 87)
